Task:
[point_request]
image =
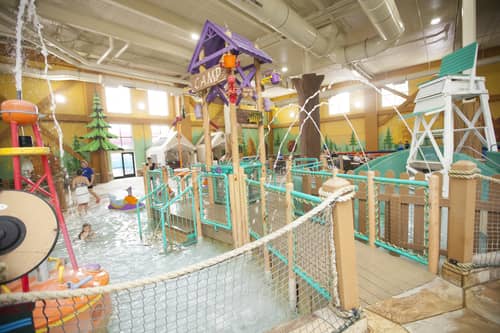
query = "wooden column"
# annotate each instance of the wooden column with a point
(372, 229)
(310, 140)
(371, 119)
(208, 147)
(260, 107)
(237, 215)
(196, 199)
(462, 198)
(434, 224)
(345, 250)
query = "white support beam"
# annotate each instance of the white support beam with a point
(176, 26)
(76, 18)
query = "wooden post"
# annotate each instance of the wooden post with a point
(267, 260)
(208, 148)
(288, 171)
(324, 162)
(260, 107)
(371, 209)
(196, 198)
(345, 250)
(245, 236)
(292, 283)
(434, 224)
(462, 198)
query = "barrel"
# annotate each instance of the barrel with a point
(19, 111)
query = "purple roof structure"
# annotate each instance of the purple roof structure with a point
(215, 42)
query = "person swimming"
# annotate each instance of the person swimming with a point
(86, 232)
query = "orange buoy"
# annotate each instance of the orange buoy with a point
(229, 61)
(19, 111)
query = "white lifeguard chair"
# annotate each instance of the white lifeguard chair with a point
(433, 142)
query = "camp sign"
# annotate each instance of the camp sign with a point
(208, 78)
(248, 117)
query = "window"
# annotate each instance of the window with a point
(158, 131)
(124, 133)
(158, 103)
(390, 99)
(339, 104)
(118, 100)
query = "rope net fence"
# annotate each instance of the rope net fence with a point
(287, 274)
(487, 222)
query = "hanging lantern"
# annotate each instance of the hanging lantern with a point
(229, 61)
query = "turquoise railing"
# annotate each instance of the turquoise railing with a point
(226, 202)
(162, 188)
(300, 273)
(165, 209)
(380, 220)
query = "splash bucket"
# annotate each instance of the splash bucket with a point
(19, 111)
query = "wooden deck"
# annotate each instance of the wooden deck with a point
(382, 275)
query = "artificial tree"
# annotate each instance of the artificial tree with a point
(98, 137)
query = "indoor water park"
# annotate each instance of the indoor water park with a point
(249, 166)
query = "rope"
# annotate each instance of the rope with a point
(340, 195)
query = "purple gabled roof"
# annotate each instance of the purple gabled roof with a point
(213, 39)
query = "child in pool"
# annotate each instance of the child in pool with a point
(80, 185)
(86, 232)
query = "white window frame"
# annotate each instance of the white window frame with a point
(118, 141)
(118, 100)
(158, 103)
(339, 104)
(163, 130)
(389, 99)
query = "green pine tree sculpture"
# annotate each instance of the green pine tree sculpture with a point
(353, 141)
(99, 135)
(388, 140)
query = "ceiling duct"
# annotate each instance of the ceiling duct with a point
(276, 14)
(384, 16)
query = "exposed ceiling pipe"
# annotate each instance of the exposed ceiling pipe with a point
(278, 15)
(108, 51)
(384, 16)
(67, 75)
(120, 51)
(77, 60)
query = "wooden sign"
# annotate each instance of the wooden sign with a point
(248, 117)
(208, 78)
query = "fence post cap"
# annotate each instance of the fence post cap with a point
(334, 184)
(463, 165)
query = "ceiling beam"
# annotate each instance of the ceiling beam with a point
(178, 27)
(76, 17)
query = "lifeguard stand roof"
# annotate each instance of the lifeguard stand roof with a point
(215, 41)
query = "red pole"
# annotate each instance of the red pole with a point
(18, 185)
(55, 199)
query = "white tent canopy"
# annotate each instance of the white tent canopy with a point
(166, 149)
(218, 146)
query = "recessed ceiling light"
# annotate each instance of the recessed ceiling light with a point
(435, 20)
(195, 36)
(292, 114)
(60, 99)
(141, 105)
(284, 69)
